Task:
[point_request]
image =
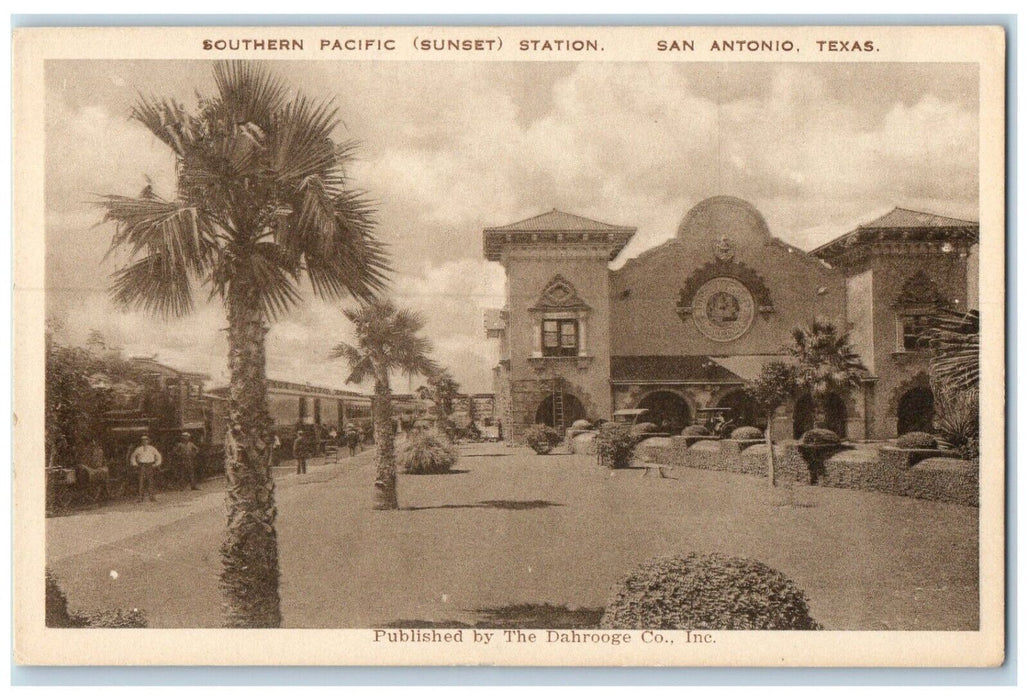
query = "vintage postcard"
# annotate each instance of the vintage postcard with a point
(623, 346)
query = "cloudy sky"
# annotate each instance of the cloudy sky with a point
(448, 149)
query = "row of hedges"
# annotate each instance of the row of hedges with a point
(946, 480)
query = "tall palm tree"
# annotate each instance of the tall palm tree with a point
(825, 364)
(262, 202)
(387, 341)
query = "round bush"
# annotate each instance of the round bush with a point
(820, 436)
(707, 592)
(582, 424)
(917, 441)
(427, 453)
(642, 428)
(695, 431)
(747, 432)
(615, 444)
(542, 438)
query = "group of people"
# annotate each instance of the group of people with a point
(185, 462)
(148, 460)
(305, 446)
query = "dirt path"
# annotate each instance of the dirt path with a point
(509, 527)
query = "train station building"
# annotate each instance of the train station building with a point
(682, 327)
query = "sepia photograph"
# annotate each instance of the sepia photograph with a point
(471, 342)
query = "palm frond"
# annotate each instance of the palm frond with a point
(359, 362)
(154, 284)
(248, 92)
(272, 278)
(166, 119)
(954, 342)
(178, 233)
(302, 143)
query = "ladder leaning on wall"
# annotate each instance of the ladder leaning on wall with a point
(558, 405)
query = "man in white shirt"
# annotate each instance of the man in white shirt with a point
(148, 460)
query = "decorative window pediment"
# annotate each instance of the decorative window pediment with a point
(559, 295)
(919, 290)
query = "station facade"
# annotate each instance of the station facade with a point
(682, 327)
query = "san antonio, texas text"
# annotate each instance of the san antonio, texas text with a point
(430, 636)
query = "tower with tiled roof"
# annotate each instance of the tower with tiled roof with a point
(554, 333)
(899, 268)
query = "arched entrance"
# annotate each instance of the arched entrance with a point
(915, 410)
(803, 415)
(573, 410)
(669, 411)
(744, 411)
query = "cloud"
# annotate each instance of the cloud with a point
(447, 149)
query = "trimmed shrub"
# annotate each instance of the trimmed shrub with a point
(615, 445)
(820, 436)
(427, 453)
(695, 431)
(707, 592)
(969, 450)
(917, 441)
(747, 432)
(58, 615)
(114, 618)
(542, 438)
(643, 428)
(582, 424)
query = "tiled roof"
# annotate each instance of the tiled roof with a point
(555, 227)
(908, 218)
(669, 369)
(901, 225)
(748, 366)
(556, 220)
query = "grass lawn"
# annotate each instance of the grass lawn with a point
(511, 533)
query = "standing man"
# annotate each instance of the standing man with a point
(184, 454)
(333, 442)
(300, 451)
(148, 460)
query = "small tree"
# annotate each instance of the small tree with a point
(772, 388)
(444, 390)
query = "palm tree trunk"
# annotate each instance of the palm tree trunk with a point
(249, 555)
(820, 410)
(385, 475)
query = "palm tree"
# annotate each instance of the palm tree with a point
(952, 338)
(387, 341)
(262, 201)
(825, 364)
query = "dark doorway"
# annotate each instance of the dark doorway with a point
(669, 411)
(915, 411)
(744, 411)
(573, 410)
(803, 415)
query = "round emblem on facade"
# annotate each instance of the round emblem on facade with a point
(723, 309)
